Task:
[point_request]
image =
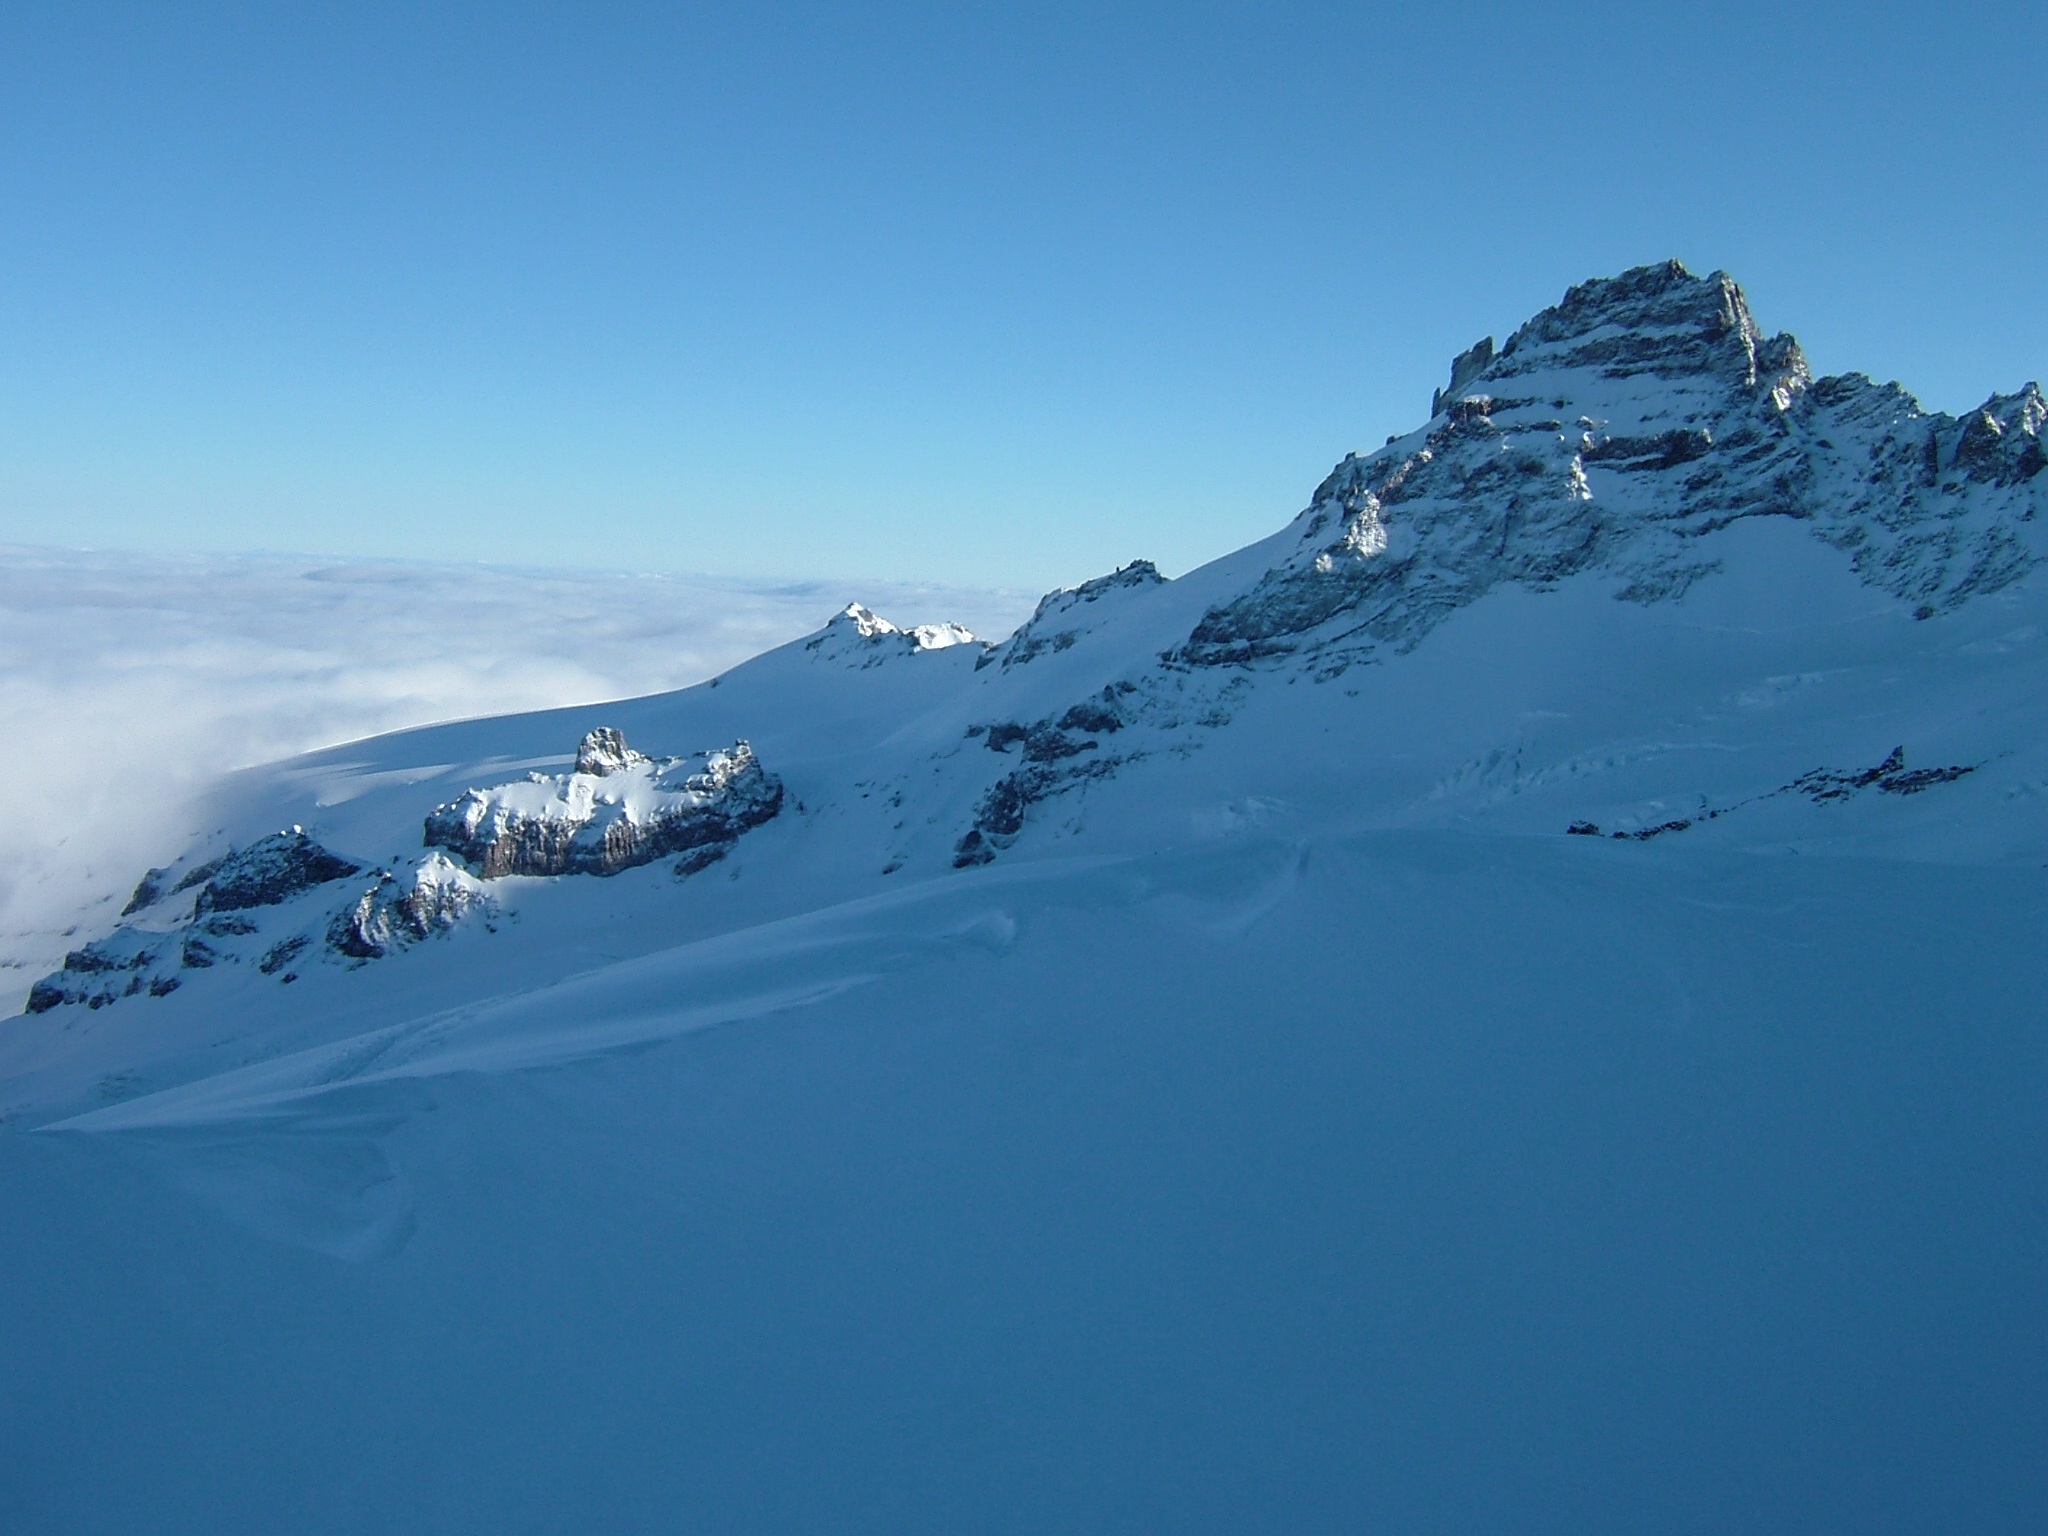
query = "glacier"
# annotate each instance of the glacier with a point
(1510, 1002)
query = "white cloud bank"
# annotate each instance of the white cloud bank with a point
(128, 681)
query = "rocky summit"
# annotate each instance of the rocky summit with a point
(1611, 433)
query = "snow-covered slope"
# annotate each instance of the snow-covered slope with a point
(1656, 721)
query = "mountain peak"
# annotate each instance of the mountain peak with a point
(1615, 431)
(860, 634)
(1659, 320)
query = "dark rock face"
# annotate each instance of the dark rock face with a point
(270, 871)
(1614, 431)
(2000, 441)
(1042, 743)
(1891, 776)
(1057, 756)
(282, 953)
(148, 891)
(1466, 367)
(1822, 786)
(637, 810)
(94, 975)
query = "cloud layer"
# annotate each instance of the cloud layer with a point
(128, 681)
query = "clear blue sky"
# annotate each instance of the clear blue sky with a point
(1003, 295)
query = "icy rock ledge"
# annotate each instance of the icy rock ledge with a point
(617, 809)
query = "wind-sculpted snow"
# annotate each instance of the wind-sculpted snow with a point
(1556, 1185)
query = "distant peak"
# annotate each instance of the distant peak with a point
(864, 621)
(860, 630)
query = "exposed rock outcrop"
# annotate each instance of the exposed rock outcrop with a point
(286, 900)
(1822, 786)
(269, 871)
(233, 892)
(1058, 755)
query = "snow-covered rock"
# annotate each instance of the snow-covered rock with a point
(282, 899)
(618, 809)
(1063, 617)
(393, 912)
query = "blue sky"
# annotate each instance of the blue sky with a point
(986, 295)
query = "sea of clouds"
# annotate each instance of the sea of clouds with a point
(128, 681)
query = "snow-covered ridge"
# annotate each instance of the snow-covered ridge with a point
(1357, 1010)
(1061, 618)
